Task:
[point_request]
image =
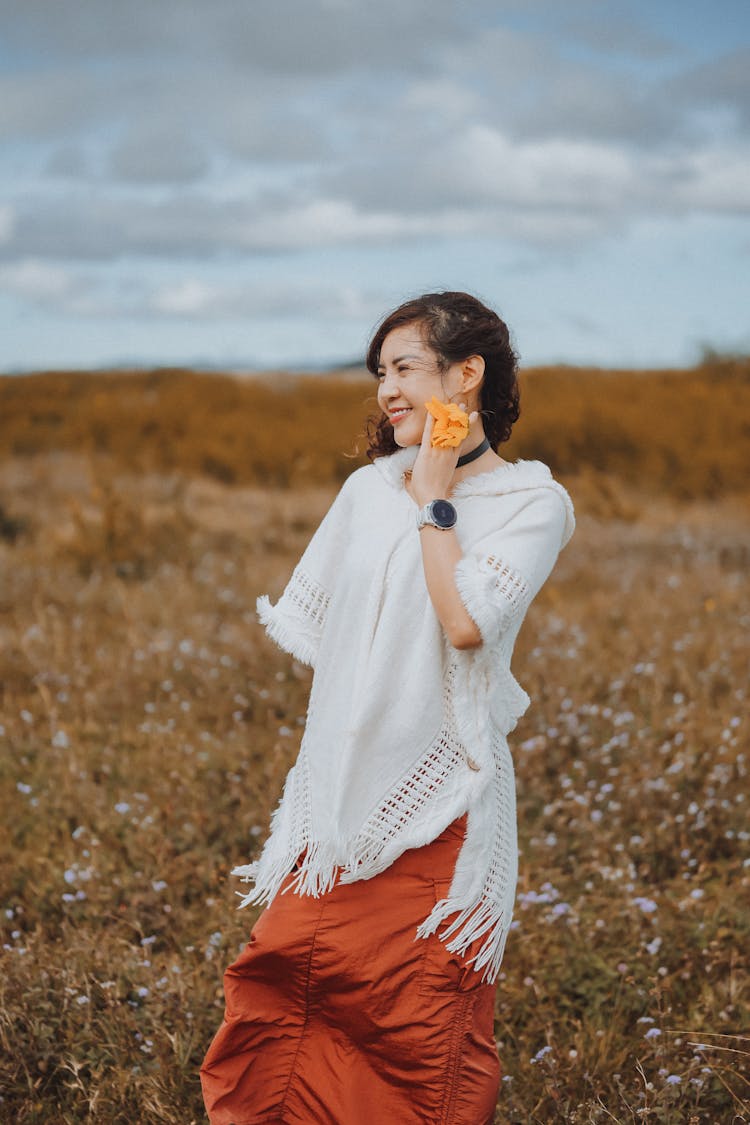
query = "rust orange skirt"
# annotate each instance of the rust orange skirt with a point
(336, 1015)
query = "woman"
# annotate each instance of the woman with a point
(366, 992)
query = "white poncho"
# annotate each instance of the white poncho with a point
(405, 733)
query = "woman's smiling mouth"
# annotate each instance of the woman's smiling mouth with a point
(396, 415)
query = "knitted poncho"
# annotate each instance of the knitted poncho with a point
(405, 733)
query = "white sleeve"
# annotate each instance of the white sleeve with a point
(502, 573)
(297, 620)
(497, 580)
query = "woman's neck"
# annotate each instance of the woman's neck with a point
(484, 463)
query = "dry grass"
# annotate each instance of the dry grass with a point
(147, 726)
(686, 433)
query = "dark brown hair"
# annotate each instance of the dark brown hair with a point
(455, 326)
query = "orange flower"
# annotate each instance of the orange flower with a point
(451, 423)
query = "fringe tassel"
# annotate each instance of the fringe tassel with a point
(317, 873)
(287, 632)
(324, 863)
(366, 857)
(281, 849)
(267, 874)
(477, 920)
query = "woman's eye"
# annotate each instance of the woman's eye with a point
(399, 371)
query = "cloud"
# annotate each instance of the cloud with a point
(7, 223)
(41, 283)
(532, 85)
(549, 173)
(164, 123)
(38, 105)
(182, 139)
(192, 225)
(206, 64)
(157, 154)
(615, 33)
(721, 84)
(192, 297)
(176, 89)
(68, 162)
(715, 179)
(476, 181)
(188, 297)
(290, 36)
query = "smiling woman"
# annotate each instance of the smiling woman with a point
(435, 332)
(366, 992)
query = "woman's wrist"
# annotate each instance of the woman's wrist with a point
(438, 513)
(427, 497)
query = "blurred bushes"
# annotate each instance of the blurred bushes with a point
(684, 433)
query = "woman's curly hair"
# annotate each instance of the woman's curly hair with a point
(455, 326)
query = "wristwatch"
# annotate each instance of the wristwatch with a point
(438, 513)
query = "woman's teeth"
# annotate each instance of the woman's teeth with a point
(397, 415)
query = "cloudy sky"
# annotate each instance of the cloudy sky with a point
(246, 183)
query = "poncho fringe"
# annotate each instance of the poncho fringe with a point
(290, 635)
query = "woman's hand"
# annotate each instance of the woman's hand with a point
(433, 470)
(431, 479)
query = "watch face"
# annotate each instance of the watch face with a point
(443, 513)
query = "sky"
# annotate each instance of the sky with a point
(248, 184)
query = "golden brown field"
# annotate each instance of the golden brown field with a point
(147, 724)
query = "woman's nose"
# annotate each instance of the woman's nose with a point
(387, 387)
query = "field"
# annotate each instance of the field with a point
(147, 724)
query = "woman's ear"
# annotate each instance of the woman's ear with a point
(472, 373)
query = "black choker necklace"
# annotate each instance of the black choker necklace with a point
(469, 457)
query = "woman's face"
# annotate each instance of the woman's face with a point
(408, 377)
